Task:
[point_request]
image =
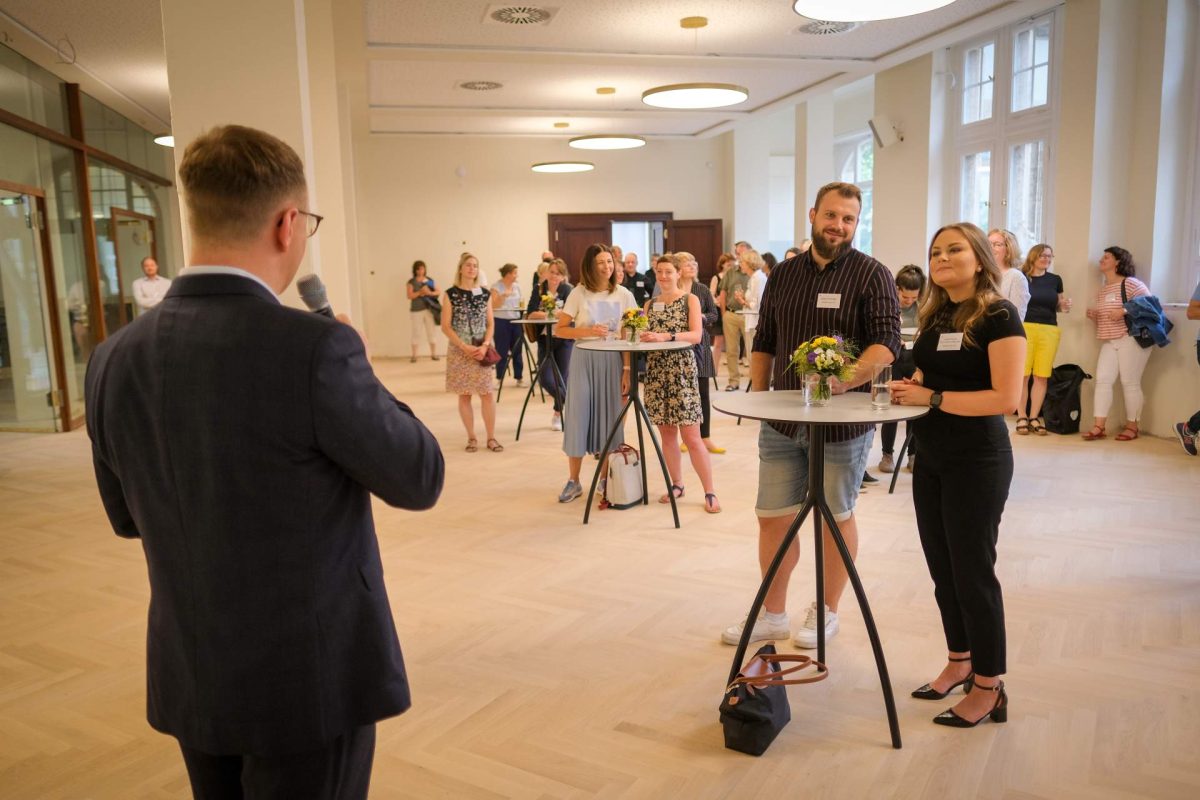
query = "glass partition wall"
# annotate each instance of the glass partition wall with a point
(82, 190)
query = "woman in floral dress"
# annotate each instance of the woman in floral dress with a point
(469, 326)
(672, 389)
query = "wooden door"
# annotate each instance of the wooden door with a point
(572, 234)
(700, 237)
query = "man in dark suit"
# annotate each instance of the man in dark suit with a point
(241, 440)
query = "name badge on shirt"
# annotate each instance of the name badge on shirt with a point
(950, 341)
(658, 306)
(476, 291)
(829, 300)
(640, 284)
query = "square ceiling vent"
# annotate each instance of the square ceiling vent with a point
(519, 15)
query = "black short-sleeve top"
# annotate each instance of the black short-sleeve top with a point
(963, 369)
(1043, 299)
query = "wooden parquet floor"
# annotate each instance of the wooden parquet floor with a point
(553, 660)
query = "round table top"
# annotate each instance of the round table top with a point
(788, 406)
(527, 321)
(624, 346)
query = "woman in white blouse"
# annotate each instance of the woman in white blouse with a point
(1014, 286)
(751, 263)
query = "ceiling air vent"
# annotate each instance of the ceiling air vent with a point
(520, 15)
(824, 27)
(480, 86)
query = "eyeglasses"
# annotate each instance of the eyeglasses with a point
(313, 222)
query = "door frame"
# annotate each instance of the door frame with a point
(122, 212)
(49, 303)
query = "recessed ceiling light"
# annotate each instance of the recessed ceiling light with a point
(695, 95)
(562, 124)
(564, 166)
(693, 23)
(864, 10)
(606, 90)
(481, 86)
(607, 142)
(166, 140)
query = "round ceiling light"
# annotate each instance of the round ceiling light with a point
(695, 95)
(607, 142)
(564, 166)
(166, 140)
(864, 10)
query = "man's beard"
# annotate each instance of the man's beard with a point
(824, 249)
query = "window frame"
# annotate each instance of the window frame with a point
(1006, 129)
(850, 146)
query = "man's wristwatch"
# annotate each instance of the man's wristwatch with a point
(935, 400)
(672, 337)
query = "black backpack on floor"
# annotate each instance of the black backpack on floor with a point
(1061, 408)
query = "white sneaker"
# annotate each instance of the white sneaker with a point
(806, 634)
(763, 629)
(521, 382)
(556, 422)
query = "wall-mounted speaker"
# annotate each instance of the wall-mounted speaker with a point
(886, 134)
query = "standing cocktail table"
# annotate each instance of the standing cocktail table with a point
(536, 371)
(636, 351)
(852, 408)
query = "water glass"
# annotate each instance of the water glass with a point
(881, 392)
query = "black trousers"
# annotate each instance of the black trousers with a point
(562, 357)
(339, 771)
(959, 502)
(508, 344)
(706, 420)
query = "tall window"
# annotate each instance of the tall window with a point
(854, 162)
(1005, 126)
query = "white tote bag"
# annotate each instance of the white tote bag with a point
(624, 485)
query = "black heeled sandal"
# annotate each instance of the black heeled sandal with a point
(999, 712)
(927, 692)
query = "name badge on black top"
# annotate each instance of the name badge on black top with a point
(476, 291)
(950, 341)
(640, 284)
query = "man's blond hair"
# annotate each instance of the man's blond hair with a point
(234, 178)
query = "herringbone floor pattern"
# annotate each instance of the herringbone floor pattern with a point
(553, 660)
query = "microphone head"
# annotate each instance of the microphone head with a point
(312, 292)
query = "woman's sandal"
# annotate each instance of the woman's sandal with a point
(710, 503)
(927, 692)
(1095, 433)
(1038, 426)
(1128, 435)
(998, 712)
(676, 490)
(472, 445)
(1022, 426)
(495, 446)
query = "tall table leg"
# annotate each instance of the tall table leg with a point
(535, 380)
(816, 502)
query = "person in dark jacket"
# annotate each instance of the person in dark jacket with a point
(241, 440)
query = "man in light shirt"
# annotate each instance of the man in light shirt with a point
(150, 290)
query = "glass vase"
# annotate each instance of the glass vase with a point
(633, 335)
(817, 390)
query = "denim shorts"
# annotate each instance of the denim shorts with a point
(783, 473)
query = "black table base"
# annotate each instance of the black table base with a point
(536, 382)
(639, 414)
(816, 504)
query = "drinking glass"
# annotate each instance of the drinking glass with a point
(881, 393)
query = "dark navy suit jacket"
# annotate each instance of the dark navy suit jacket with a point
(241, 440)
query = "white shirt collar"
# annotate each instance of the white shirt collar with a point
(241, 273)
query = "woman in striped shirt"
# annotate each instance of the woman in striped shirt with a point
(1120, 354)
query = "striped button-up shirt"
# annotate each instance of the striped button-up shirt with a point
(858, 299)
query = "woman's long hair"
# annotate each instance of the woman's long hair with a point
(462, 259)
(587, 270)
(935, 308)
(1031, 259)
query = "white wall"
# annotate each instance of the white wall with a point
(412, 204)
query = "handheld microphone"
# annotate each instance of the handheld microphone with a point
(312, 292)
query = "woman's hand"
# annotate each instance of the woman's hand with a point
(536, 315)
(625, 382)
(1091, 313)
(1117, 314)
(651, 336)
(598, 330)
(906, 392)
(1064, 304)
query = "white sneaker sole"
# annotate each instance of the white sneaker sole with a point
(802, 641)
(733, 635)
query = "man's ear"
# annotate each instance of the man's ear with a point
(285, 229)
(812, 215)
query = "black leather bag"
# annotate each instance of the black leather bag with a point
(1061, 408)
(755, 707)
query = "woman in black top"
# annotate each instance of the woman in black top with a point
(555, 284)
(969, 353)
(1046, 299)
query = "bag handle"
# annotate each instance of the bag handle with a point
(624, 451)
(1124, 297)
(772, 678)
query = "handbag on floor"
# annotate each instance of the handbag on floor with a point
(623, 487)
(755, 707)
(1061, 408)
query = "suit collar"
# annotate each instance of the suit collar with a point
(195, 281)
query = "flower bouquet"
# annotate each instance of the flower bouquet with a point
(549, 304)
(818, 360)
(634, 321)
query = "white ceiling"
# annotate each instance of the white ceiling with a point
(415, 53)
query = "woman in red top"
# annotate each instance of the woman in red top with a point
(1120, 354)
